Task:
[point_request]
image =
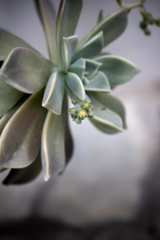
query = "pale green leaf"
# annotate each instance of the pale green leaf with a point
(8, 41)
(68, 137)
(85, 81)
(117, 69)
(91, 67)
(100, 17)
(53, 143)
(98, 82)
(104, 119)
(67, 19)
(47, 15)
(111, 103)
(78, 67)
(91, 48)
(87, 98)
(21, 138)
(24, 175)
(68, 47)
(9, 96)
(75, 85)
(10, 113)
(26, 70)
(54, 92)
(112, 26)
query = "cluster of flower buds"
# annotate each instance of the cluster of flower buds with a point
(81, 111)
(147, 19)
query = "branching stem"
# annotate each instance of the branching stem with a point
(135, 5)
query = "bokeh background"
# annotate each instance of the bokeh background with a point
(111, 177)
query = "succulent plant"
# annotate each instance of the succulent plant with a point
(33, 90)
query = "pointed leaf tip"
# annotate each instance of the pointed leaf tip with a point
(8, 41)
(117, 69)
(112, 26)
(26, 70)
(54, 92)
(68, 47)
(98, 82)
(75, 85)
(91, 48)
(67, 19)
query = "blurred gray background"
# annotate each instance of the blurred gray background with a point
(110, 177)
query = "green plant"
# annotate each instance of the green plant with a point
(33, 90)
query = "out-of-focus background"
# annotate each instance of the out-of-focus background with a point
(111, 178)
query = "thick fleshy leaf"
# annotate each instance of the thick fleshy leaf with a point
(53, 143)
(68, 16)
(100, 17)
(104, 119)
(9, 114)
(85, 81)
(8, 41)
(117, 69)
(47, 15)
(91, 67)
(24, 175)
(9, 96)
(78, 67)
(111, 103)
(91, 48)
(21, 138)
(68, 47)
(112, 26)
(70, 93)
(98, 82)
(87, 98)
(54, 92)
(26, 70)
(68, 137)
(75, 85)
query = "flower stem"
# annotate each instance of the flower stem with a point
(135, 5)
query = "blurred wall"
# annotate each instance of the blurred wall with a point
(104, 179)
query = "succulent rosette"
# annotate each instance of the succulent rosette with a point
(33, 90)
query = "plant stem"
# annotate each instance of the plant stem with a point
(135, 5)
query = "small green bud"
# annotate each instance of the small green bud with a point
(81, 111)
(78, 120)
(85, 105)
(147, 31)
(121, 3)
(74, 118)
(151, 21)
(73, 111)
(73, 101)
(158, 22)
(143, 24)
(90, 114)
